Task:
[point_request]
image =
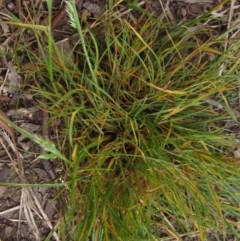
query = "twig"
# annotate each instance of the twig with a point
(44, 215)
(3, 124)
(19, 9)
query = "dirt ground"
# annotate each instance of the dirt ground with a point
(26, 213)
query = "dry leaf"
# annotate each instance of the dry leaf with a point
(4, 27)
(237, 153)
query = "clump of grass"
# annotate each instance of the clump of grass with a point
(148, 157)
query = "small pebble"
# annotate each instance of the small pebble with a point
(11, 7)
(195, 9)
(183, 12)
(4, 172)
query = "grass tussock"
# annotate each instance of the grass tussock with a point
(148, 158)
